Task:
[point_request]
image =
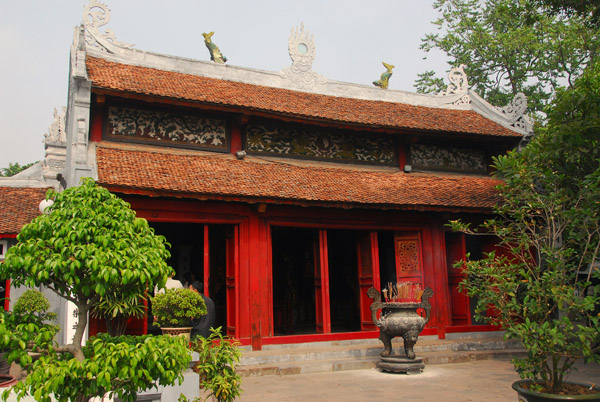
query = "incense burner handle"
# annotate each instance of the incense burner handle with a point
(376, 305)
(425, 305)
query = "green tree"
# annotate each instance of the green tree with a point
(87, 246)
(508, 49)
(589, 8)
(540, 283)
(13, 169)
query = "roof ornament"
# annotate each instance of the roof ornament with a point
(459, 86)
(96, 15)
(56, 131)
(515, 114)
(215, 52)
(55, 144)
(302, 50)
(384, 81)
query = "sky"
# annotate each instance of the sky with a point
(352, 38)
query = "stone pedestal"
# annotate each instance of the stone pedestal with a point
(401, 364)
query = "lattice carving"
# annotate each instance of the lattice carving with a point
(167, 128)
(430, 156)
(408, 256)
(313, 143)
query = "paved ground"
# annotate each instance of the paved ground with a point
(485, 380)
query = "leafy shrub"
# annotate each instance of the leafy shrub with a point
(177, 307)
(35, 303)
(217, 358)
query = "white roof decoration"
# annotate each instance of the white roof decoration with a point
(299, 76)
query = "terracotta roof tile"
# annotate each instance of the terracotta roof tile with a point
(18, 206)
(155, 171)
(147, 81)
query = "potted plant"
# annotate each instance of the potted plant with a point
(175, 309)
(540, 284)
(217, 359)
(116, 311)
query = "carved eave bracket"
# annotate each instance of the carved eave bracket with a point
(457, 92)
(302, 50)
(95, 16)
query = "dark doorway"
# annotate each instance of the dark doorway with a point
(387, 258)
(188, 259)
(343, 280)
(293, 280)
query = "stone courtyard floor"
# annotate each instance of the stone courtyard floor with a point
(484, 380)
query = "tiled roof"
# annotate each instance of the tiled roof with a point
(18, 206)
(163, 172)
(160, 83)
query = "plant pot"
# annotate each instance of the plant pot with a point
(526, 395)
(178, 331)
(7, 380)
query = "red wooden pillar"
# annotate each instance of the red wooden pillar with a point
(323, 317)
(97, 119)
(254, 290)
(206, 263)
(231, 282)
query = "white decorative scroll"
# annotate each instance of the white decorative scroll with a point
(96, 15)
(301, 47)
(459, 86)
(515, 115)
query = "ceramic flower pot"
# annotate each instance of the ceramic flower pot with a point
(179, 331)
(526, 395)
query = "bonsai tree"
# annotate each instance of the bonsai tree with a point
(217, 358)
(33, 305)
(540, 283)
(88, 246)
(21, 326)
(177, 307)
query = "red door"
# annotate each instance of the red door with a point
(455, 251)
(368, 275)
(232, 273)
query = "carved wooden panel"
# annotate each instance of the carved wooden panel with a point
(167, 128)
(408, 256)
(440, 157)
(319, 143)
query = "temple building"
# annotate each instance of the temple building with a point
(287, 193)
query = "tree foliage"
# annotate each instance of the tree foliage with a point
(121, 366)
(14, 168)
(88, 246)
(540, 283)
(509, 48)
(590, 8)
